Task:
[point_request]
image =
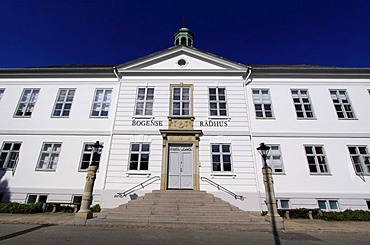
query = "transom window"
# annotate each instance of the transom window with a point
(144, 101)
(49, 156)
(1, 92)
(217, 102)
(316, 159)
(27, 103)
(87, 156)
(274, 159)
(360, 159)
(342, 104)
(181, 101)
(262, 103)
(101, 103)
(302, 103)
(63, 102)
(9, 154)
(328, 205)
(139, 156)
(221, 157)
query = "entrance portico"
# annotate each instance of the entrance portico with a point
(180, 155)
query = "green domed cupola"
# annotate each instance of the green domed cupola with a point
(184, 37)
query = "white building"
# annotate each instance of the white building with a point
(180, 118)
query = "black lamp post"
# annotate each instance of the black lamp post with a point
(264, 151)
(97, 148)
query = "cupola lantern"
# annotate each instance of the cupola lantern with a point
(184, 37)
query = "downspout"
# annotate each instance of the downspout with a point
(115, 71)
(246, 77)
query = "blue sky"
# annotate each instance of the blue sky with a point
(59, 32)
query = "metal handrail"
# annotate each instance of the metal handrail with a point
(142, 185)
(220, 187)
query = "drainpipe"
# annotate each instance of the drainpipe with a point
(115, 71)
(246, 76)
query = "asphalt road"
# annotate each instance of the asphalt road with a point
(43, 234)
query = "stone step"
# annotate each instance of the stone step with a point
(181, 217)
(185, 209)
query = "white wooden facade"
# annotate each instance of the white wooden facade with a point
(240, 130)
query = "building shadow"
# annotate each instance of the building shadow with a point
(4, 187)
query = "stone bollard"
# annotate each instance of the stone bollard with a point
(310, 215)
(286, 215)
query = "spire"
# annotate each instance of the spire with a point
(184, 37)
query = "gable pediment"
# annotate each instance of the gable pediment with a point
(180, 58)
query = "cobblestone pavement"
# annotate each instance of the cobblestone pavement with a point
(292, 225)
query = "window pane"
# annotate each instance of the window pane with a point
(322, 205)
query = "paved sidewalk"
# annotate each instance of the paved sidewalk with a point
(291, 226)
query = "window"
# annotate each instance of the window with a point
(87, 156)
(328, 205)
(302, 104)
(63, 102)
(101, 103)
(77, 199)
(139, 156)
(316, 159)
(144, 102)
(9, 154)
(217, 102)
(360, 159)
(27, 103)
(368, 204)
(49, 156)
(274, 159)
(34, 198)
(342, 104)
(221, 158)
(262, 103)
(181, 101)
(282, 204)
(1, 92)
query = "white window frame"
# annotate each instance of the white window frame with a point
(27, 102)
(181, 101)
(260, 99)
(280, 201)
(12, 155)
(63, 101)
(274, 159)
(302, 104)
(221, 153)
(146, 100)
(101, 104)
(37, 199)
(342, 104)
(2, 91)
(216, 100)
(50, 161)
(76, 196)
(140, 152)
(87, 150)
(318, 159)
(363, 158)
(328, 206)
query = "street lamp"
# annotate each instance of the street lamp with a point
(268, 181)
(85, 212)
(264, 151)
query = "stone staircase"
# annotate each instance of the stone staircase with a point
(181, 209)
